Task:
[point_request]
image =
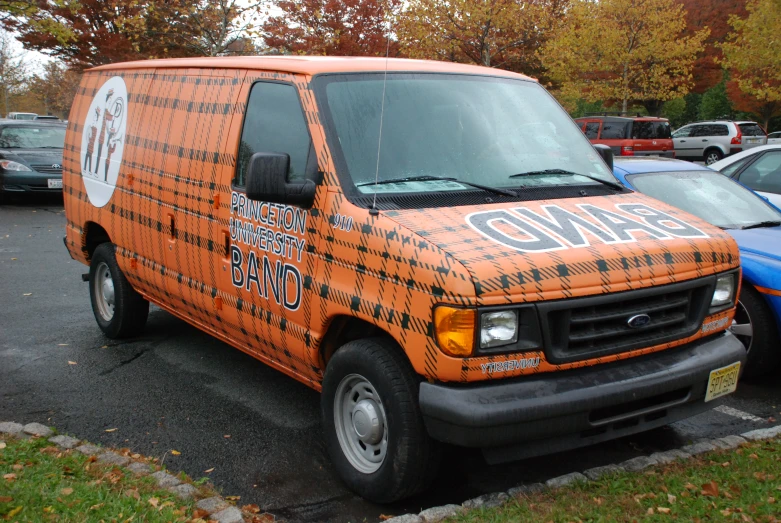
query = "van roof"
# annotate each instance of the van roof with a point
(312, 65)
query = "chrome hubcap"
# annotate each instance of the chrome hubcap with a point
(712, 158)
(741, 326)
(360, 422)
(104, 291)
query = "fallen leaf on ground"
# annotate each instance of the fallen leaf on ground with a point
(96, 507)
(598, 501)
(650, 511)
(199, 514)
(27, 294)
(13, 512)
(207, 471)
(17, 467)
(663, 510)
(9, 477)
(2, 445)
(135, 456)
(233, 498)
(726, 512)
(385, 517)
(689, 486)
(227, 436)
(66, 491)
(254, 509)
(72, 362)
(132, 493)
(175, 452)
(6, 499)
(111, 430)
(753, 456)
(771, 500)
(153, 501)
(710, 489)
(725, 464)
(671, 499)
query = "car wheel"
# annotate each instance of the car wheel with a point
(374, 430)
(712, 156)
(119, 310)
(755, 327)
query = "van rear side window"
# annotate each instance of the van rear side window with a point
(648, 130)
(275, 123)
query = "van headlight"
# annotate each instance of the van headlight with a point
(498, 328)
(724, 293)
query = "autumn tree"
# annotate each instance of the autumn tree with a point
(101, 32)
(331, 27)
(713, 15)
(752, 54)
(13, 72)
(624, 51)
(55, 87)
(495, 33)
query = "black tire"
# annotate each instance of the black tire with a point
(764, 346)
(412, 457)
(712, 155)
(130, 309)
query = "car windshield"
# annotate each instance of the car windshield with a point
(477, 129)
(709, 195)
(30, 137)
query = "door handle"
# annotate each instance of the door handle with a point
(172, 226)
(226, 243)
(683, 141)
(704, 140)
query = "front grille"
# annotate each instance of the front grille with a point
(47, 168)
(586, 328)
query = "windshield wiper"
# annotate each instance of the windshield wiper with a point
(425, 178)
(614, 185)
(768, 223)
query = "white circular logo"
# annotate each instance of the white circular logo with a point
(103, 140)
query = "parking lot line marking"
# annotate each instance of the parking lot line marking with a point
(729, 411)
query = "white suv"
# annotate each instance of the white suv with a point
(713, 140)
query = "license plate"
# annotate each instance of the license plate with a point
(722, 381)
(55, 183)
(752, 140)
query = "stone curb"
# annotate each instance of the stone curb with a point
(636, 464)
(218, 509)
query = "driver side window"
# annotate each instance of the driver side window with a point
(683, 132)
(274, 123)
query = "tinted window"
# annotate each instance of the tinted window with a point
(774, 135)
(683, 132)
(649, 130)
(707, 194)
(592, 130)
(275, 123)
(614, 130)
(700, 130)
(764, 174)
(751, 129)
(719, 130)
(30, 137)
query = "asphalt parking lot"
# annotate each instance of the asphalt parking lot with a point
(178, 389)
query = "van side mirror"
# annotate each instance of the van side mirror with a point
(606, 153)
(266, 181)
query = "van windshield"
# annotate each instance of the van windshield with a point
(475, 129)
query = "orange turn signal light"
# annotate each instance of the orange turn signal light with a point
(455, 330)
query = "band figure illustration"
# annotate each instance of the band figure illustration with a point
(93, 134)
(113, 113)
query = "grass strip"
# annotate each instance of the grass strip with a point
(40, 482)
(743, 484)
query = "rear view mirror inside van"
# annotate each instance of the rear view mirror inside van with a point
(267, 181)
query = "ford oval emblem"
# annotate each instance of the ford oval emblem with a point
(638, 320)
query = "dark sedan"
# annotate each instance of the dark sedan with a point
(31, 157)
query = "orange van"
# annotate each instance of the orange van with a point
(435, 247)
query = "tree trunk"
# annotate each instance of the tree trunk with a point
(625, 100)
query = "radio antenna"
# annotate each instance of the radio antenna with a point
(373, 211)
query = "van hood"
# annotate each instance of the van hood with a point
(552, 249)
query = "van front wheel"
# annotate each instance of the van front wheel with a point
(374, 430)
(119, 310)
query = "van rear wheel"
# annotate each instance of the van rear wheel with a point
(119, 310)
(374, 430)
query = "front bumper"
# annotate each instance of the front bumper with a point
(17, 182)
(551, 412)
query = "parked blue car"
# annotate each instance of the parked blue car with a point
(751, 220)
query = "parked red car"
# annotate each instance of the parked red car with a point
(630, 136)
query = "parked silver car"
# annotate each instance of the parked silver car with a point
(758, 169)
(713, 140)
(774, 138)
